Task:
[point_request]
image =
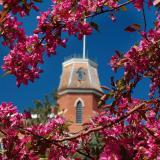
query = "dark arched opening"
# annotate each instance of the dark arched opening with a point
(79, 112)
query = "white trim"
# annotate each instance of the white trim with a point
(77, 100)
(80, 60)
(98, 82)
(89, 74)
(85, 91)
(71, 75)
(61, 78)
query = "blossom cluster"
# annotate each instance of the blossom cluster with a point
(120, 131)
(11, 31)
(142, 60)
(22, 142)
(134, 137)
(18, 6)
(63, 16)
(14, 145)
(23, 60)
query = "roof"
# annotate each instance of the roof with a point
(79, 73)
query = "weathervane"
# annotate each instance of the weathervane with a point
(84, 43)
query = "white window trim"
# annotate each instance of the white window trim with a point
(77, 100)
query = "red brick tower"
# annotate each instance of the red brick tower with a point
(79, 91)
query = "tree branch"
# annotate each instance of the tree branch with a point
(144, 19)
(102, 127)
(152, 134)
(4, 133)
(53, 142)
(110, 10)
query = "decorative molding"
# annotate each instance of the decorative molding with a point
(71, 75)
(80, 91)
(80, 60)
(77, 100)
(89, 73)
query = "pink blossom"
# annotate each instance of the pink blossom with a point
(111, 150)
(138, 4)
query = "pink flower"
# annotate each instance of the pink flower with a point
(23, 60)
(111, 150)
(113, 18)
(138, 4)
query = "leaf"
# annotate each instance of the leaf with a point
(124, 8)
(112, 81)
(106, 4)
(3, 14)
(132, 28)
(6, 73)
(120, 84)
(95, 26)
(38, 0)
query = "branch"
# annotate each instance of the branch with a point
(4, 133)
(106, 88)
(102, 127)
(152, 134)
(144, 19)
(110, 10)
(53, 142)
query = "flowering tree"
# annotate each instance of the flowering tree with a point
(128, 128)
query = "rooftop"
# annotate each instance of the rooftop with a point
(79, 73)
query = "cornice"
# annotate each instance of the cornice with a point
(80, 91)
(80, 60)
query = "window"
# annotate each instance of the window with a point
(80, 74)
(79, 112)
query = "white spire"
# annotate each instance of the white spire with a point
(84, 44)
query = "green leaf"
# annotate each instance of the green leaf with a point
(123, 8)
(120, 84)
(95, 26)
(6, 73)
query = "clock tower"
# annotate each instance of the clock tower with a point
(79, 91)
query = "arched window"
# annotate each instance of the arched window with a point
(79, 112)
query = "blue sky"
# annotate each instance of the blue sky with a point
(100, 46)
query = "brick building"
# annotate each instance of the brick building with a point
(79, 91)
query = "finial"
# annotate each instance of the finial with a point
(84, 43)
